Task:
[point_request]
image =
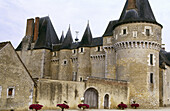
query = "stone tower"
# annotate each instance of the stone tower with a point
(136, 41)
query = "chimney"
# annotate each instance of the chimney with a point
(29, 27)
(36, 29)
(131, 4)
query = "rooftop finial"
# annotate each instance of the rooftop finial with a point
(77, 32)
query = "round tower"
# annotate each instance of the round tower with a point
(137, 41)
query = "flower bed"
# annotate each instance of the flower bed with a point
(122, 106)
(35, 106)
(134, 105)
(84, 106)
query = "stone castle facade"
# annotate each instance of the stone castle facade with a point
(127, 63)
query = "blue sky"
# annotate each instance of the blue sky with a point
(14, 13)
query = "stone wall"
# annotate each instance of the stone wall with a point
(37, 62)
(14, 75)
(53, 92)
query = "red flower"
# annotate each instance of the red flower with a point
(122, 106)
(65, 106)
(135, 105)
(84, 106)
(35, 106)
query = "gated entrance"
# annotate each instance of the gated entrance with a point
(91, 98)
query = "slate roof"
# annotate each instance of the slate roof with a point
(62, 38)
(47, 35)
(87, 38)
(142, 13)
(67, 41)
(109, 29)
(164, 58)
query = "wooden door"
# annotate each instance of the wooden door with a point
(106, 101)
(91, 98)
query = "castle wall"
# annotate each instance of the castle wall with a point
(110, 58)
(37, 61)
(165, 86)
(97, 59)
(65, 65)
(14, 75)
(54, 65)
(84, 64)
(53, 92)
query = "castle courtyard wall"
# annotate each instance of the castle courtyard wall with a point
(53, 92)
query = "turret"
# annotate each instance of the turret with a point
(137, 41)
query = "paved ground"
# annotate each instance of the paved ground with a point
(160, 109)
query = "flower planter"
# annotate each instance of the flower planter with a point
(63, 106)
(35, 106)
(83, 106)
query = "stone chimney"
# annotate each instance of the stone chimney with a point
(131, 4)
(36, 29)
(29, 27)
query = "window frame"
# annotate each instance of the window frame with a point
(13, 92)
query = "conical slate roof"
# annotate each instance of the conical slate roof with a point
(87, 38)
(67, 41)
(134, 11)
(47, 35)
(62, 38)
(137, 11)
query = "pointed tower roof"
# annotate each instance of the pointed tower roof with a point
(62, 37)
(68, 40)
(137, 11)
(47, 35)
(87, 37)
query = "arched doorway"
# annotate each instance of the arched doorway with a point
(106, 101)
(91, 97)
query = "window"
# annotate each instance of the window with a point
(65, 62)
(74, 76)
(81, 50)
(135, 33)
(124, 32)
(151, 77)
(147, 32)
(54, 54)
(98, 49)
(81, 79)
(10, 92)
(151, 59)
(0, 91)
(74, 51)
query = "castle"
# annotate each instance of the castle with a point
(127, 63)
